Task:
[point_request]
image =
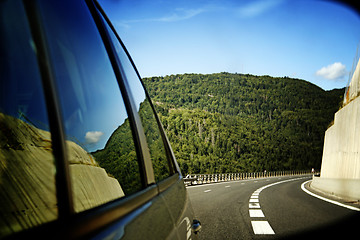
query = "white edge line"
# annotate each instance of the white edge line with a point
(259, 190)
(326, 199)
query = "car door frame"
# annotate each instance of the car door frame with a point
(70, 225)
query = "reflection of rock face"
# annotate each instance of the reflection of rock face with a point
(91, 184)
(27, 177)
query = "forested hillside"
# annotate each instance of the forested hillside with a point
(225, 122)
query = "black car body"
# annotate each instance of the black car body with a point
(82, 152)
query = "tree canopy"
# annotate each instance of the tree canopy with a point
(224, 122)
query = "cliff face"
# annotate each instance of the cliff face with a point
(27, 177)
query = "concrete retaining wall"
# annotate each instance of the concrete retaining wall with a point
(341, 154)
(340, 167)
(348, 189)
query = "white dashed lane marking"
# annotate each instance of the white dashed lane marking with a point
(207, 191)
(256, 213)
(254, 205)
(262, 227)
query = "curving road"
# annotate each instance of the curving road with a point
(268, 208)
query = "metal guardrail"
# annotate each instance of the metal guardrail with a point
(197, 179)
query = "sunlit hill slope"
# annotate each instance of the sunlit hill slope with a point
(234, 122)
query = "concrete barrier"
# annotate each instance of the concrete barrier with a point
(348, 189)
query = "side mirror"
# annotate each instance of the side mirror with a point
(196, 226)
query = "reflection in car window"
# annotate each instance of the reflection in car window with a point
(27, 169)
(152, 132)
(101, 152)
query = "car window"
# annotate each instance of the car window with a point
(101, 152)
(27, 167)
(146, 113)
(142, 102)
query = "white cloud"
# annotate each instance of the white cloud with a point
(93, 136)
(255, 8)
(178, 14)
(335, 71)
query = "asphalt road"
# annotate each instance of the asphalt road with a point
(269, 208)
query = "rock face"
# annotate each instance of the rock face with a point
(27, 177)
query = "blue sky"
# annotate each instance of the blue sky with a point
(312, 40)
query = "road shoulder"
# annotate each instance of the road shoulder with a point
(353, 205)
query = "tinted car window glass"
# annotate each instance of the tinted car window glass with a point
(27, 169)
(152, 132)
(101, 152)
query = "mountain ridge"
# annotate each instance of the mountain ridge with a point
(227, 122)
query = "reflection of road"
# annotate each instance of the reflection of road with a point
(234, 210)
